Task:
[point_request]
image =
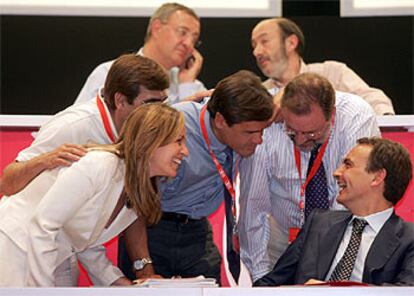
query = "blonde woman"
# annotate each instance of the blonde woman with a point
(74, 210)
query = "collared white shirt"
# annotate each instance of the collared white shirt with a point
(375, 223)
(78, 124)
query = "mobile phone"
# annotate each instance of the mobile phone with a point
(189, 62)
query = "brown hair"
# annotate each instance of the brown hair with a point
(395, 160)
(164, 12)
(288, 28)
(241, 97)
(148, 127)
(307, 89)
(130, 72)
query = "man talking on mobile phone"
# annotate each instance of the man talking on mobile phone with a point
(171, 40)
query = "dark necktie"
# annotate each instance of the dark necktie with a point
(343, 269)
(233, 257)
(316, 193)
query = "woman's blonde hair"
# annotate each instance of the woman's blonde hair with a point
(147, 128)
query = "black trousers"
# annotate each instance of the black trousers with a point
(178, 249)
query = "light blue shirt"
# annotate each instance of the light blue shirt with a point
(197, 190)
(375, 223)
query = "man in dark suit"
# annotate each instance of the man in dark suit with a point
(368, 243)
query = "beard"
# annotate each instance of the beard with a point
(279, 64)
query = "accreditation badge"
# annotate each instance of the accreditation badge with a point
(293, 233)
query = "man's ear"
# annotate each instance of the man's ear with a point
(291, 43)
(219, 121)
(379, 177)
(155, 27)
(120, 100)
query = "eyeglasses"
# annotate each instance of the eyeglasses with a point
(184, 33)
(154, 100)
(292, 134)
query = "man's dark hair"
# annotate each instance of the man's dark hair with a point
(395, 160)
(307, 89)
(128, 73)
(241, 97)
(287, 28)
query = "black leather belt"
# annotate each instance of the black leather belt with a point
(176, 217)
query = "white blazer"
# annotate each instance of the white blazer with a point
(64, 211)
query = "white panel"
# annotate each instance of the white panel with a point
(377, 7)
(204, 8)
(404, 121)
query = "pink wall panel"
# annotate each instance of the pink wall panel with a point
(405, 207)
(12, 141)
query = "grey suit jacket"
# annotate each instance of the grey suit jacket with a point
(390, 260)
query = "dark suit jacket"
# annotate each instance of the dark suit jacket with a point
(390, 259)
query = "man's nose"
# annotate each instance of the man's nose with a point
(300, 139)
(258, 139)
(188, 41)
(257, 51)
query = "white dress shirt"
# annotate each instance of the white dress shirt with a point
(80, 124)
(375, 223)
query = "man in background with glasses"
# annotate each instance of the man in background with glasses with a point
(319, 128)
(172, 37)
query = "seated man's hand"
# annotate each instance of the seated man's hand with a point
(314, 282)
(122, 281)
(146, 273)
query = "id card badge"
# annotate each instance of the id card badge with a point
(235, 239)
(293, 233)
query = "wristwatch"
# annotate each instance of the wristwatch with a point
(140, 263)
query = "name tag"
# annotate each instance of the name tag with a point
(293, 233)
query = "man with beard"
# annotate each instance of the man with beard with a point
(278, 46)
(367, 243)
(173, 33)
(291, 172)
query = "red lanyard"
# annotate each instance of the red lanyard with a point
(105, 118)
(222, 173)
(314, 169)
(312, 172)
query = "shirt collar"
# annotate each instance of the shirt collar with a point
(108, 113)
(173, 72)
(277, 85)
(376, 220)
(141, 52)
(302, 67)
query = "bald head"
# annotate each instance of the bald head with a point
(277, 46)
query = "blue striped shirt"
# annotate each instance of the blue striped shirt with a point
(270, 185)
(197, 190)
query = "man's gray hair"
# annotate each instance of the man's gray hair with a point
(164, 12)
